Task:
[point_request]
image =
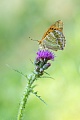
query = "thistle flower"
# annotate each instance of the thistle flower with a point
(45, 54)
(41, 64)
(41, 61)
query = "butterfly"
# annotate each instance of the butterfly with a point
(53, 38)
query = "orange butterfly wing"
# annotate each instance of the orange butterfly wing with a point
(53, 37)
(58, 25)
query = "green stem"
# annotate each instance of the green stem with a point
(27, 92)
(23, 103)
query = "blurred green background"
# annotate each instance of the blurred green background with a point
(19, 20)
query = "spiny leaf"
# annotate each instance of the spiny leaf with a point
(46, 73)
(47, 77)
(39, 97)
(17, 71)
(34, 86)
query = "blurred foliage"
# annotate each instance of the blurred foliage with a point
(20, 19)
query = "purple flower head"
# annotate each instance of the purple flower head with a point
(45, 54)
(41, 62)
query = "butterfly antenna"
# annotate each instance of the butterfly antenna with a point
(33, 39)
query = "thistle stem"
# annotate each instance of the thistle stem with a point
(27, 92)
(22, 105)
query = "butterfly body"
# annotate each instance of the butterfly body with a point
(54, 38)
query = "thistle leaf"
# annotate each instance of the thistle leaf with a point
(39, 97)
(34, 86)
(17, 71)
(47, 77)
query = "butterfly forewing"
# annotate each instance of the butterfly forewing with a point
(59, 25)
